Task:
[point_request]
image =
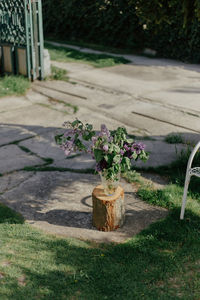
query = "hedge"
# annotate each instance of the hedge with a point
(120, 24)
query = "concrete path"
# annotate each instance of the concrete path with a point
(54, 193)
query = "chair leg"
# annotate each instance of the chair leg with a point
(187, 181)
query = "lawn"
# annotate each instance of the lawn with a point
(13, 85)
(70, 55)
(162, 262)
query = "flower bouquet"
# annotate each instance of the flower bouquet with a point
(112, 150)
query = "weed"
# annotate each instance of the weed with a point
(60, 169)
(7, 215)
(13, 85)
(174, 139)
(58, 74)
(70, 55)
(131, 176)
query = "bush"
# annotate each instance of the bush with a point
(172, 26)
(112, 23)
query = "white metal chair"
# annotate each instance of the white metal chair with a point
(189, 172)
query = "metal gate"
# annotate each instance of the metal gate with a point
(21, 38)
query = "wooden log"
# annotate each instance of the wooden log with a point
(108, 211)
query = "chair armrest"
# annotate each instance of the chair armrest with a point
(194, 151)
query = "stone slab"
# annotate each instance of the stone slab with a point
(157, 112)
(13, 103)
(185, 97)
(61, 203)
(160, 153)
(9, 134)
(84, 161)
(13, 180)
(13, 158)
(45, 146)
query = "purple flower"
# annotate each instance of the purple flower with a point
(68, 147)
(94, 139)
(98, 168)
(105, 148)
(126, 147)
(103, 127)
(101, 165)
(104, 131)
(137, 147)
(67, 152)
(122, 152)
(128, 154)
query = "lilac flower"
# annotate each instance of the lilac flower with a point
(68, 133)
(98, 168)
(90, 151)
(80, 137)
(68, 147)
(67, 152)
(105, 148)
(128, 154)
(101, 165)
(137, 147)
(103, 127)
(94, 139)
(104, 131)
(126, 147)
(122, 152)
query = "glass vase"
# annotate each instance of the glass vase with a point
(109, 185)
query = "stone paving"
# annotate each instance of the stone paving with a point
(53, 192)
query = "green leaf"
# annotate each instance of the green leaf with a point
(111, 148)
(134, 155)
(59, 139)
(129, 141)
(76, 122)
(89, 127)
(98, 155)
(116, 148)
(106, 157)
(116, 159)
(128, 163)
(144, 156)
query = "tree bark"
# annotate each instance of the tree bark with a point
(108, 211)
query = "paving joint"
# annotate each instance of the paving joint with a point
(67, 93)
(94, 109)
(166, 122)
(17, 185)
(170, 106)
(17, 141)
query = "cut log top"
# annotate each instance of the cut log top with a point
(98, 193)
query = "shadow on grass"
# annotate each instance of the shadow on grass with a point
(7, 215)
(97, 60)
(176, 171)
(162, 262)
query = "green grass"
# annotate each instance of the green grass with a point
(131, 176)
(58, 74)
(144, 138)
(162, 262)
(83, 44)
(174, 139)
(9, 216)
(13, 85)
(57, 101)
(70, 55)
(45, 168)
(176, 171)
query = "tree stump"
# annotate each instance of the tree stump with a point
(108, 211)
